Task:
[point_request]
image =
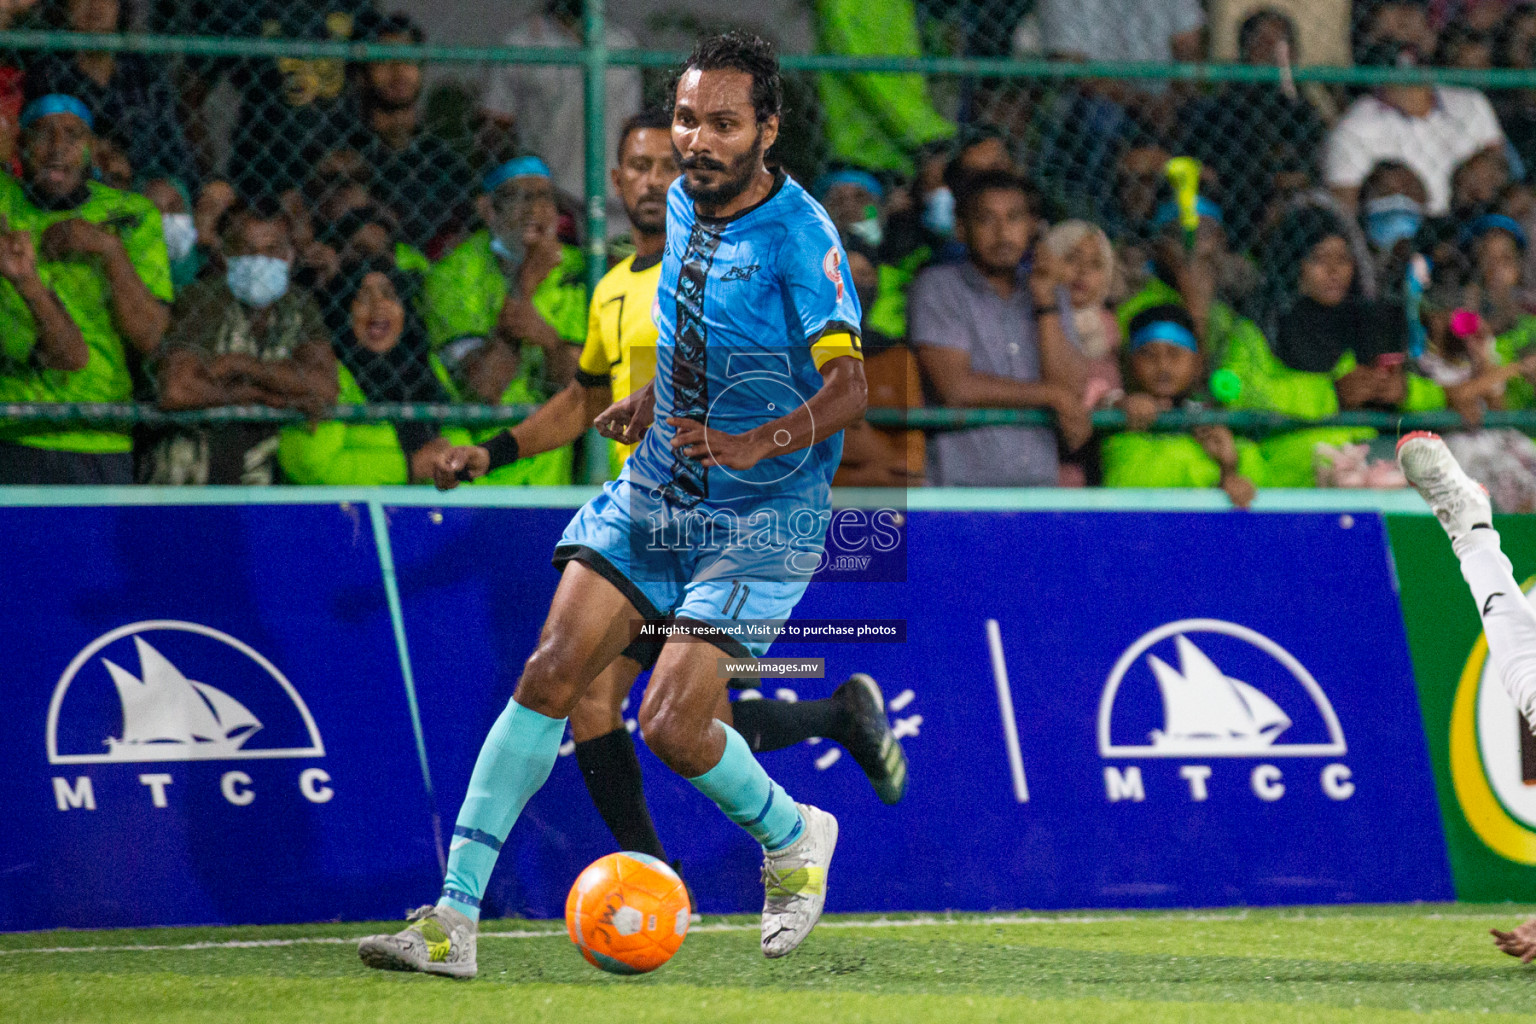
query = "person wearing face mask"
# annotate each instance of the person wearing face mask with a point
(852, 197)
(1432, 129)
(921, 220)
(243, 339)
(174, 202)
(506, 310)
(84, 280)
(382, 355)
(1392, 202)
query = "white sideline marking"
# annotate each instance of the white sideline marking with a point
(1005, 706)
(908, 922)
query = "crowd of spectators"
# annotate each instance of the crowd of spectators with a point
(1356, 249)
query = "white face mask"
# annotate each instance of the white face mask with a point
(180, 235)
(257, 281)
(939, 212)
(868, 229)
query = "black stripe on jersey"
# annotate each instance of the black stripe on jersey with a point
(690, 363)
(592, 380)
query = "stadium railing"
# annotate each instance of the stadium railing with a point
(1030, 81)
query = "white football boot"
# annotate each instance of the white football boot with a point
(438, 940)
(795, 883)
(1458, 501)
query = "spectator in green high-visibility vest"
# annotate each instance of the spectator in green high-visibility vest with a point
(506, 310)
(1166, 372)
(878, 121)
(84, 278)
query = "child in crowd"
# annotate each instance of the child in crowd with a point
(1481, 354)
(1166, 371)
(1494, 246)
(1078, 257)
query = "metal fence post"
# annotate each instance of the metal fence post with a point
(595, 49)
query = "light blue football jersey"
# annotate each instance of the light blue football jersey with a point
(742, 300)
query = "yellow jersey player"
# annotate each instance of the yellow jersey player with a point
(619, 358)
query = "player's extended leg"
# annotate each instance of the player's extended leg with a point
(1509, 622)
(589, 623)
(1462, 506)
(677, 719)
(854, 717)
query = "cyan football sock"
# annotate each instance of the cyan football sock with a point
(514, 762)
(739, 787)
(1509, 622)
(775, 724)
(612, 773)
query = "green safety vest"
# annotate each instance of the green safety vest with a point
(1510, 346)
(81, 286)
(463, 296)
(1171, 460)
(340, 454)
(1269, 384)
(875, 121)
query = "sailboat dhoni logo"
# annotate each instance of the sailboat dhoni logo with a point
(166, 714)
(1207, 712)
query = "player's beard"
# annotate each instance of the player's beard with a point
(738, 175)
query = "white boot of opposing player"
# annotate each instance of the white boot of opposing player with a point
(795, 883)
(437, 940)
(1458, 501)
(1461, 504)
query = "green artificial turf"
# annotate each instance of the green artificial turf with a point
(1419, 963)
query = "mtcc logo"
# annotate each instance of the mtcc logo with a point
(171, 691)
(1493, 759)
(1199, 689)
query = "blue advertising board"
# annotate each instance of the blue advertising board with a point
(1207, 709)
(210, 715)
(205, 720)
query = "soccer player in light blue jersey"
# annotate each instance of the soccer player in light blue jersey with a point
(716, 523)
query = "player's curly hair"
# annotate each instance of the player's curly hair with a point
(739, 51)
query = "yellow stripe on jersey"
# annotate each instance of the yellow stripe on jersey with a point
(830, 346)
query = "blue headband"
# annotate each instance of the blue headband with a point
(1493, 222)
(1168, 212)
(848, 176)
(518, 167)
(1165, 331)
(57, 103)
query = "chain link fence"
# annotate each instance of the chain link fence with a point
(1408, 127)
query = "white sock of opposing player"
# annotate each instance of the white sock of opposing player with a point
(1509, 621)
